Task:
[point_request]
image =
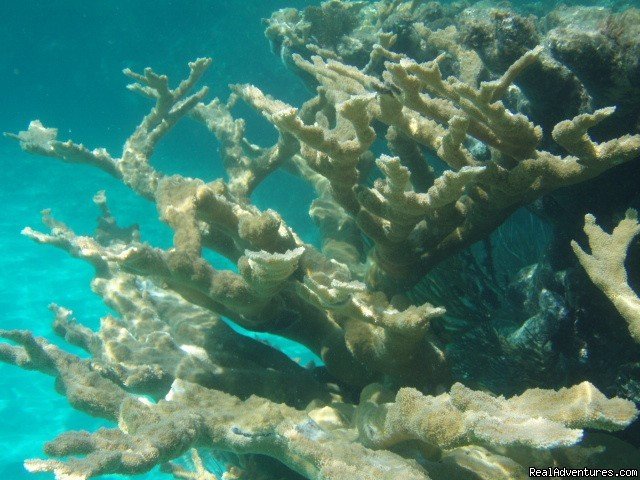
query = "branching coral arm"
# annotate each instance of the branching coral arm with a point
(605, 265)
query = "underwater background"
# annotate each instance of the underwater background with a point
(61, 62)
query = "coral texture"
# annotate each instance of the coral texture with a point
(605, 265)
(406, 98)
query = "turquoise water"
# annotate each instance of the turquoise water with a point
(61, 62)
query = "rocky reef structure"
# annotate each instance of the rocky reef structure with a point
(404, 95)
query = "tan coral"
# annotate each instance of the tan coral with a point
(605, 264)
(246, 163)
(159, 336)
(192, 414)
(416, 101)
(377, 333)
(267, 272)
(539, 419)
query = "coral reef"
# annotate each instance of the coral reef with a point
(428, 129)
(588, 63)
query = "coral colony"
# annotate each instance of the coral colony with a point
(429, 126)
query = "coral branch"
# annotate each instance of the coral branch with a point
(193, 416)
(246, 163)
(41, 140)
(538, 419)
(605, 265)
(414, 100)
(77, 379)
(160, 336)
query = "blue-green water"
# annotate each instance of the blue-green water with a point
(61, 62)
